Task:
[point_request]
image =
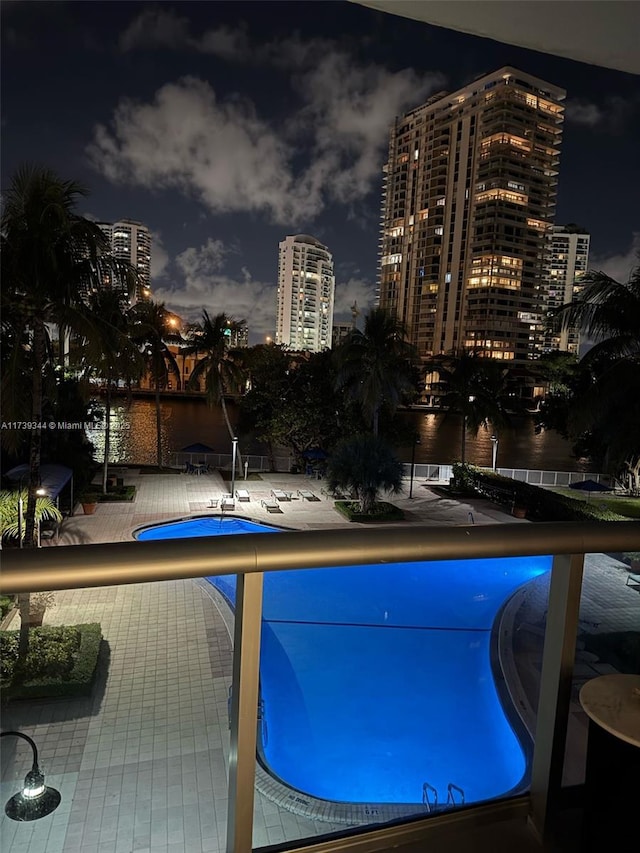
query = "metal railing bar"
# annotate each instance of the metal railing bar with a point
(554, 700)
(78, 566)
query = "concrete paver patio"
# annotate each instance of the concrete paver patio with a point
(142, 764)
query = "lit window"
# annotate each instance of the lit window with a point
(441, 200)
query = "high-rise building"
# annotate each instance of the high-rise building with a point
(131, 242)
(306, 287)
(567, 257)
(469, 197)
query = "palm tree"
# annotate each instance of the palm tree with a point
(109, 352)
(376, 365)
(149, 328)
(364, 465)
(48, 254)
(606, 311)
(219, 365)
(475, 388)
(606, 404)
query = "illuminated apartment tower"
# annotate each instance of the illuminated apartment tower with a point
(566, 259)
(469, 197)
(306, 286)
(131, 242)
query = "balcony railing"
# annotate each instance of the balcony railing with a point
(250, 556)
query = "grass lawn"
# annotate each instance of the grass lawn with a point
(382, 511)
(629, 507)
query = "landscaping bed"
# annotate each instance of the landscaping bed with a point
(539, 504)
(62, 661)
(118, 493)
(382, 511)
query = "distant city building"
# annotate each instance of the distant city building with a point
(341, 332)
(306, 286)
(131, 242)
(469, 198)
(238, 336)
(567, 257)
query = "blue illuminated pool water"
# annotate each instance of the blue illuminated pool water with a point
(376, 679)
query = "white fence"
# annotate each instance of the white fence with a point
(431, 472)
(443, 473)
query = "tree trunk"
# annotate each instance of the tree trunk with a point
(107, 435)
(463, 444)
(158, 426)
(376, 418)
(231, 432)
(35, 438)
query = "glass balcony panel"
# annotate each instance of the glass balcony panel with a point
(608, 641)
(141, 762)
(385, 693)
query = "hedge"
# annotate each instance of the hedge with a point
(541, 504)
(382, 512)
(72, 649)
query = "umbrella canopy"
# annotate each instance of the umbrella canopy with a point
(315, 453)
(53, 478)
(589, 486)
(197, 448)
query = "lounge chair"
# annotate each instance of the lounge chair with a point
(227, 502)
(306, 495)
(242, 495)
(280, 495)
(271, 505)
(633, 580)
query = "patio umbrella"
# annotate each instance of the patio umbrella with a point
(196, 449)
(315, 453)
(589, 486)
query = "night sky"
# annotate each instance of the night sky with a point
(226, 126)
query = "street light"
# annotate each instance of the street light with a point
(233, 465)
(36, 799)
(416, 441)
(494, 451)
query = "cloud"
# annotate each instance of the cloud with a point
(221, 153)
(156, 28)
(159, 257)
(349, 292)
(163, 28)
(611, 115)
(619, 266)
(330, 148)
(205, 284)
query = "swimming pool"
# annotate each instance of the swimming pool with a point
(376, 679)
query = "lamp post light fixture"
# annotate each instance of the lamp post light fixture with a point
(233, 465)
(36, 799)
(494, 451)
(416, 441)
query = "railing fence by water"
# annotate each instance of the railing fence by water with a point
(436, 473)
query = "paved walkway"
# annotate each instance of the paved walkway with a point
(142, 764)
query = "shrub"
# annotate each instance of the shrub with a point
(541, 504)
(6, 604)
(61, 661)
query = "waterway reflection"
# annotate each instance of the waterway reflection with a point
(133, 437)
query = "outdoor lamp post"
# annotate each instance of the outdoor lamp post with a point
(36, 799)
(416, 441)
(233, 465)
(494, 451)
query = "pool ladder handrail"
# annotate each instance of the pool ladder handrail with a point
(451, 800)
(426, 789)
